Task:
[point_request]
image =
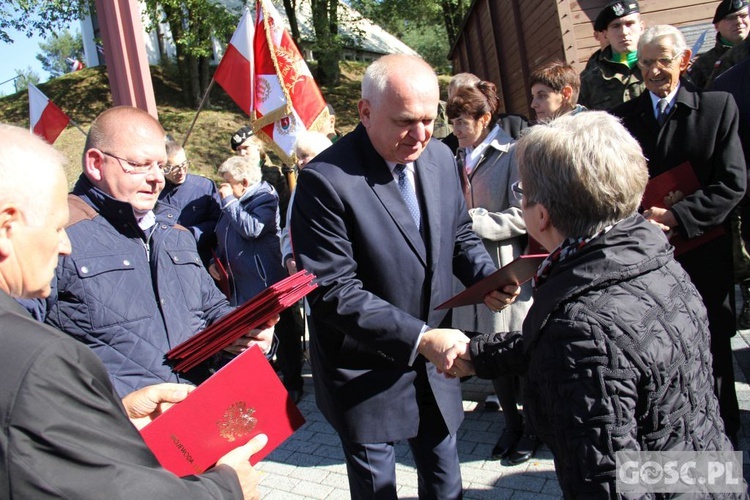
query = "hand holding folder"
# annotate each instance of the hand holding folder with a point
(243, 399)
(517, 272)
(252, 314)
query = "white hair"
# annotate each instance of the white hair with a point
(311, 143)
(243, 168)
(29, 168)
(377, 74)
(654, 34)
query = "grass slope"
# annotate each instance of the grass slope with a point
(84, 94)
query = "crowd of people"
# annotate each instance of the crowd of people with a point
(142, 255)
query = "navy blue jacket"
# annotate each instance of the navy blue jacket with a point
(248, 241)
(127, 296)
(199, 204)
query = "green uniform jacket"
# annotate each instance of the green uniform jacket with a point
(700, 71)
(608, 84)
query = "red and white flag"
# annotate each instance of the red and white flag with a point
(269, 80)
(47, 120)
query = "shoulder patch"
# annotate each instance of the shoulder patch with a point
(79, 210)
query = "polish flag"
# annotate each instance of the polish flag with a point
(235, 71)
(265, 74)
(47, 120)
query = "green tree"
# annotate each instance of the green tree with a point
(327, 47)
(24, 77)
(57, 49)
(192, 24)
(429, 26)
(38, 17)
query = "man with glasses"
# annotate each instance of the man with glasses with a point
(731, 23)
(614, 77)
(676, 124)
(133, 286)
(194, 196)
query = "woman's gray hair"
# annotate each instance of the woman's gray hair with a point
(654, 34)
(243, 168)
(585, 169)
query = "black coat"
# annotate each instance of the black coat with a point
(64, 430)
(616, 348)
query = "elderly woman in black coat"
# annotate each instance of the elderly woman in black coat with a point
(616, 345)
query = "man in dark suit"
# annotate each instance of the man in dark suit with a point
(380, 219)
(675, 123)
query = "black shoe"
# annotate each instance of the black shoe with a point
(505, 444)
(491, 403)
(524, 450)
(296, 395)
(743, 321)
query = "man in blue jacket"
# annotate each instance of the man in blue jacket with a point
(195, 196)
(134, 286)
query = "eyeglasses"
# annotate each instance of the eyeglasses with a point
(134, 167)
(517, 190)
(168, 169)
(662, 62)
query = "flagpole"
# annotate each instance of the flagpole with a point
(200, 107)
(78, 127)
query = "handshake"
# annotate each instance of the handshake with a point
(448, 349)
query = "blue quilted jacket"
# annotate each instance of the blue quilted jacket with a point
(128, 296)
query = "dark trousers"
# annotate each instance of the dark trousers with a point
(710, 270)
(371, 467)
(290, 330)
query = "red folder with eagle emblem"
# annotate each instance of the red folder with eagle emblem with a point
(241, 400)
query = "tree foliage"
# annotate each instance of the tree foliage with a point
(192, 24)
(24, 77)
(38, 17)
(327, 48)
(429, 26)
(57, 49)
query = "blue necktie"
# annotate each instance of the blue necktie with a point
(408, 194)
(661, 116)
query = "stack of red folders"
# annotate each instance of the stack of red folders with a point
(252, 314)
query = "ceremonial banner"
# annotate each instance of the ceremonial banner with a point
(265, 74)
(47, 120)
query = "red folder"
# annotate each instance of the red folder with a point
(252, 314)
(223, 282)
(243, 399)
(668, 188)
(517, 272)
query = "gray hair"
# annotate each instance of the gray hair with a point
(243, 168)
(312, 142)
(655, 34)
(29, 167)
(377, 74)
(585, 169)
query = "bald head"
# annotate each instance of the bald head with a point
(33, 213)
(125, 149)
(399, 104)
(29, 169)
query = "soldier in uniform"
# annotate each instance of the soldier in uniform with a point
(615, 77)
(732, 57)
(731, 23)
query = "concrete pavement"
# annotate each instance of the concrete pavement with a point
(310, 464)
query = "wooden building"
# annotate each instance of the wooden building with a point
(502, 41)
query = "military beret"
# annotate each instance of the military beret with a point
(727, 7)
(615, 10)
(241, 136)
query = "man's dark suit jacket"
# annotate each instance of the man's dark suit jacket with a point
(701, 128)
(379, 283)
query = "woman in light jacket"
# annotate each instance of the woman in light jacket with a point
(486, 159)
